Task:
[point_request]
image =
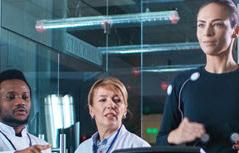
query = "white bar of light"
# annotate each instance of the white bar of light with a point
(170, 68)
(93, 22)
(146, 48)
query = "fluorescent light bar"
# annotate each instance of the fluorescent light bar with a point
(170, 68)
(134, 49)
(94, 22)
(161, 1)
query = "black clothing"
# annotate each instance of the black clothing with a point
(212, 99)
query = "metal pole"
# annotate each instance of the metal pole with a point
(62, 143)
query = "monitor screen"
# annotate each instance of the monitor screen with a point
(162, 149)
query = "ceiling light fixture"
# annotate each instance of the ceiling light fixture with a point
(161, 1)
(149, 48)
(97, 22)
(170, 68)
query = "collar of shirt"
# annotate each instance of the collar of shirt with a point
(8, 130)
(103, 145)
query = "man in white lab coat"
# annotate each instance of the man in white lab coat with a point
(15, 105)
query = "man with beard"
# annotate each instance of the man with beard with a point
(15, 104)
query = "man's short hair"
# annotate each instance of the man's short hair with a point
(13, 74)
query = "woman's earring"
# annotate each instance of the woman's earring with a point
(235, 32)
(125, 115)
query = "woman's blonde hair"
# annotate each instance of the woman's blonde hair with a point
(109, 82)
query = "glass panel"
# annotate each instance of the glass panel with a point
(27, 13)
(64, 46)
(58, 65)
(39, 65)
(171, 48)
(122, 64)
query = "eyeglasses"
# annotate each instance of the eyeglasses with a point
(10, 96)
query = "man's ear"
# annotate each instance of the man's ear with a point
(235, 32)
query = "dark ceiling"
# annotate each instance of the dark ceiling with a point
(123, 65)
(183, 31)
(168, 33)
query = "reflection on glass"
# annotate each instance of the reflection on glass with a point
(59, 115)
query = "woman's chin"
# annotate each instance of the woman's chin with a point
(113, 125)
